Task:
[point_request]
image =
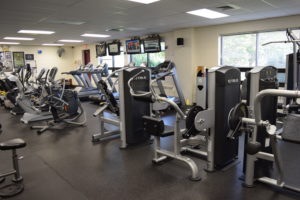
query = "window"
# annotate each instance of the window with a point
(239, 50)
(156, 58)
(247, 50)
(273, 54)
(119, 61)
(138, 59)
(113, 62)
(152, 59)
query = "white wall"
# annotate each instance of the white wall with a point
(49, 57)
(201, 49)
(202, 46)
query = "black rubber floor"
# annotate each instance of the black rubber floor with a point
(64, 165)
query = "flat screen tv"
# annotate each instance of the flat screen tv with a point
(101, 49)
(152, 45)
(114, 48)
(133, 46)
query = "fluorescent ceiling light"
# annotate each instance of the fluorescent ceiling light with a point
(9, 43)
(207, 13)
(71, 41)
(95, 35)
(17, 38)
(144, 1)
(52, 44)
(36, 32)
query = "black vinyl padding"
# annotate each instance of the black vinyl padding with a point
(156, 127)
(12, 144)
(291, 128)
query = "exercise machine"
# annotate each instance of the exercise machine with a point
(167, 69)
(64, 105)
(211, 122)
(284, 142)
(84, 88)
(127, 114)
(33, 102)
(156, 127)
(258, 79)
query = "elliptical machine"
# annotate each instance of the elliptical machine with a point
(64, 105)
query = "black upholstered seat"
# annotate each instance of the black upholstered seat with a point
(12, 144)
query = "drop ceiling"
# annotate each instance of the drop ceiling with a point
(71, 18)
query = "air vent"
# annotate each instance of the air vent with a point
(228, 7)
(115, 30)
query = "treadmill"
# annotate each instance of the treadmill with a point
(84, 87)
(167, 69)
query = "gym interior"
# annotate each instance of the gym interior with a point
(150, 99)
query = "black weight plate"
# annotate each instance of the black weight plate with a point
(191, 114)
(238, 112)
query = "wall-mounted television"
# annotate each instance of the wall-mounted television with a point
(133, 46)
(114, 48)
(29, 56)
(152, 45)
(101, 49)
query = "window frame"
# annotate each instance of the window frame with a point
(256, 38)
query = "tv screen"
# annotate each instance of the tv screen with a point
(114, 49)
(152, 45)
(133, 46)
(29, 57)
(101, 49)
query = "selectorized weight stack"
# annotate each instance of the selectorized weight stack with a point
(223, 94)
(132, 110)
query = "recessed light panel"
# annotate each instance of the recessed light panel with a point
(10, 43)
(207, 13)
(18, 38)
(52, 44)
(144, 1)
(36, 32)
(71, 41)
(95, 35)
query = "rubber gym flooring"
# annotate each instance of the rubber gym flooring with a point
(65, 165)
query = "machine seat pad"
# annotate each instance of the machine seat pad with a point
(156, 127)
(291, 129)
(12, 144)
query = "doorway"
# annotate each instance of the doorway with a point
(86, 56)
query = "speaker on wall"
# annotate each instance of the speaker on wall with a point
(180, 41)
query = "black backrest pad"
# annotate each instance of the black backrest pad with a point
(153, 126)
